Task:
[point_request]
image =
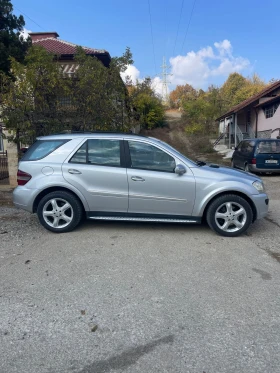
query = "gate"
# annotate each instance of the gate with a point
(4, 170)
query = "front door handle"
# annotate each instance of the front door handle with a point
(137, 178)
(72, 171)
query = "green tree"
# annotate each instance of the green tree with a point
(147, 108)
(253, 86)
(40, 100)
(11, 43)
(232, 85)
(98, 94)
(30, 99)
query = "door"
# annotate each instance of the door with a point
(96, 169)
(268, 155)
(243, 154)
(154, 188)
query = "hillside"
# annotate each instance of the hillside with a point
(194, 147)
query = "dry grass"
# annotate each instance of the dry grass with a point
(193, 146)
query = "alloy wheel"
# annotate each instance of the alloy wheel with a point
(230, 217)
(57, 213)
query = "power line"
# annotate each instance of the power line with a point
(165, 28)
(152, 36)
(188, 25)
(182, 6)
(29, 18)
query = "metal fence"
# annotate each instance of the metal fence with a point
(4, 170)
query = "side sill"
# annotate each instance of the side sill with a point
(143, 217)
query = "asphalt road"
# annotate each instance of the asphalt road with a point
(119, 297)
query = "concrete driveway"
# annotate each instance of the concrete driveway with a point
(119, 297)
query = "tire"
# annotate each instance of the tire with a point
(60, 212)
(246, 168)
(222, 215)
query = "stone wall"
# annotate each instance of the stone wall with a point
(12, 160)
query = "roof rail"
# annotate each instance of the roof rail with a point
(92, 132)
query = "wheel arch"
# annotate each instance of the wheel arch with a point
(240, 194)
(51, 189)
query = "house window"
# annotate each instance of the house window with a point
(270, 110)
(64, 101)
(249, 117)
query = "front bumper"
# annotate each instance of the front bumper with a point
(23, 198)
(261, 202)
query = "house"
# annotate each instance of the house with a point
(66, 51)
(256, 117)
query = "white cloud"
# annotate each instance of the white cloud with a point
(206, 65)
(25, 33)
(157, 85)
(132, 72)
(224, 47)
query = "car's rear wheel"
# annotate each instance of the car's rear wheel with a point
(229, 215)
(246, 168)
(59, 211)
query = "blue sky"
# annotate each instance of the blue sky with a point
(224, 35)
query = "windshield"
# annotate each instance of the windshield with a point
(265, 147)
(175, 151)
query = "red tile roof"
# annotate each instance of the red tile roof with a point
(58, 46)
(251, 100)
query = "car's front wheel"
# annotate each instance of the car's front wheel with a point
(59, 211)
(229, 215)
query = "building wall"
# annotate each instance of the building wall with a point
(269, 124)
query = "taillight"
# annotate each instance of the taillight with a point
(23, 177)
(254, 161)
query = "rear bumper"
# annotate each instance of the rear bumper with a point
(254, 168)
(261, 202)
(23, 198)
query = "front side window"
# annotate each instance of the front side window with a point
(244, 148)
(41, 148)
(101, 152)
(148, 157)
(239, 147)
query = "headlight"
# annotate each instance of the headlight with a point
(259, 186)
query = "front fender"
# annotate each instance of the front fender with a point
(204, 196)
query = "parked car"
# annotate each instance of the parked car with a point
(257, 155)
(109, 176)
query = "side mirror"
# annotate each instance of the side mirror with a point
(180, 169)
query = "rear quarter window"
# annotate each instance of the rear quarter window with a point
(41, 148)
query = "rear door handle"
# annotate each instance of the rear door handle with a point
(72, 171)
(137, 178)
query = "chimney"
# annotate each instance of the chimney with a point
(35, 36)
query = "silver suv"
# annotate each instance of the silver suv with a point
(127, 177)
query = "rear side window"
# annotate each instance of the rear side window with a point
(41, 148)
(100, 152)
(268, 147)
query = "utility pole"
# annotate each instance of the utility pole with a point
(165, 82)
